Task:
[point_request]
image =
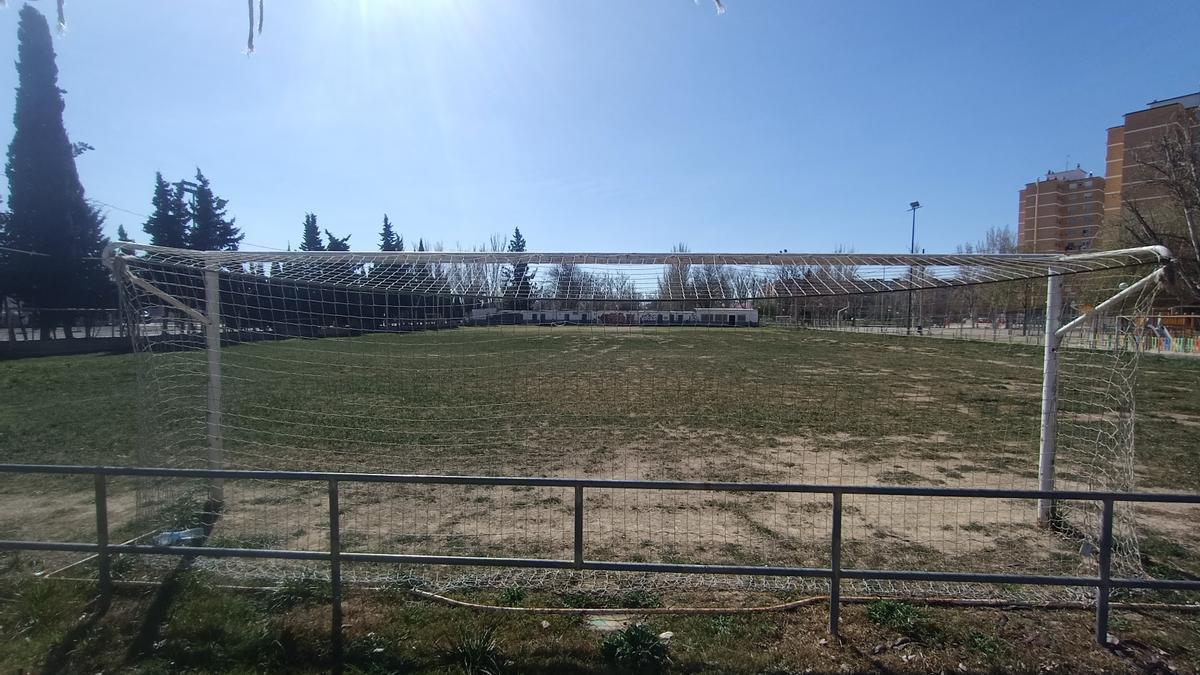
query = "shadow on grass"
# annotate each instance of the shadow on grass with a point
(59, 655)
(156, 614)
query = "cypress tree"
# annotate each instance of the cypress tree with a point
(518, 281)
(49, 212)
(168, 225)
(311, 241)
(211, 230)
(122, 235)
(388, 241)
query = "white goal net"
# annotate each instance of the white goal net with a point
(845, 369)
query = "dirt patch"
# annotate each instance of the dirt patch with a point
(677, 526)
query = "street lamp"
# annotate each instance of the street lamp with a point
(912, 249)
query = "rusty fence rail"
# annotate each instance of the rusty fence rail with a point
(1104, 583)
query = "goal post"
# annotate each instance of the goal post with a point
(1054, 334)
(1049, 426)
(212, 335)
(1009, 371)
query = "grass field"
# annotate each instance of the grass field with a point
(801, 406)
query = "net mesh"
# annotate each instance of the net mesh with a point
(820, 369)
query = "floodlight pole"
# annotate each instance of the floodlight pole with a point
(1049, 439)
(212, 311)
(912, 249)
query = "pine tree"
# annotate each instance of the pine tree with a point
(49, 212)
(517, 243)
(122, 235)
(337, 243)
(388, 240)
(168, 225)
(211, 230)
(311, 241)
(518, 281)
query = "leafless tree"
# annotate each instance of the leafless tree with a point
(1167, 210)
(677, 277)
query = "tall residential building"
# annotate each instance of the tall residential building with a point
(1126, 179)
(1060, 212)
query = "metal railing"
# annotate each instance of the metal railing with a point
(1104, 583)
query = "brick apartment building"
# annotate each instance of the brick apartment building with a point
(1060, 212)
(1064, 211)
(1125, 177)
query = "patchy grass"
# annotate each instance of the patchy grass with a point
(727, 404)
(212, 630)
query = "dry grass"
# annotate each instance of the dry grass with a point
(622, 403)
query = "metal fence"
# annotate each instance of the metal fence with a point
(1104, 583)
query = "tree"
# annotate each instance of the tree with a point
(388, 239)
(337, 243)
(311, 240)
(122, 235)
(676, 281)
(168, 225)
(518, 280)
(211, 230)
(49, 212)
(995, 240)
(1016, 299)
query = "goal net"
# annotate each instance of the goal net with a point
(845, 369)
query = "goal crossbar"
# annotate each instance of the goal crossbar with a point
(632, 276)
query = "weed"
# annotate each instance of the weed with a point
(986, 645)
(903, 618)
(635, 649)
(372, 653)
(301, 592)
(513, 595)
(722, 625)
(899, 616)
(638, 600)
(476, 653)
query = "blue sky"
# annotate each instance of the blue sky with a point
(617, 125)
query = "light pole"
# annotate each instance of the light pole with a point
(912, 249)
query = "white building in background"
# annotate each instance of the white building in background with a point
(701, 316)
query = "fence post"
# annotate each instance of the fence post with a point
(335, 575)
(102, 559)
(578, 527)
(1049, 441)
(212, 311)
(835, 565)
(1102, 591)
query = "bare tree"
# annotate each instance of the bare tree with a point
(1167, 210)
(676, 280)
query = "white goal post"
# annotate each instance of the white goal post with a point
(690, 366)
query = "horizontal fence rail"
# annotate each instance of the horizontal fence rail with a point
(1103, 582)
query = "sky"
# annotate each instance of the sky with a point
(607, 125)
